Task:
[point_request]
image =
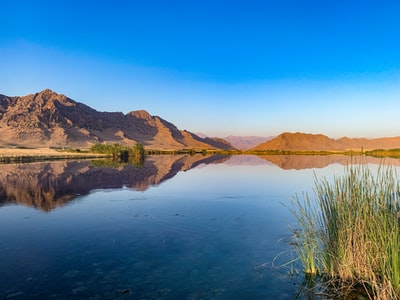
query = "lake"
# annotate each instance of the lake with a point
(177, 227)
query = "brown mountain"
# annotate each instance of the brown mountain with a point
(319, 142)
(48, 119)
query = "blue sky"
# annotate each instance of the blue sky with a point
(217, 67)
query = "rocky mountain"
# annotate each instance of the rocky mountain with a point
(48, 119)
(319, 142)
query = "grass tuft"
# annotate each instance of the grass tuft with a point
(349, 233)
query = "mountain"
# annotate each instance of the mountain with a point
(298, 141)
(319, 142)
(48, 119)
(246, 142)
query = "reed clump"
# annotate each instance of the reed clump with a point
(349, 233)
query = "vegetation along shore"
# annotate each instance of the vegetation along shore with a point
(348, 234)
(25, 154)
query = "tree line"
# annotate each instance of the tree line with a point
(120, 152)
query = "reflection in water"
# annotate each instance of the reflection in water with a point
(301, 162)
(219, 232)
(51, 184)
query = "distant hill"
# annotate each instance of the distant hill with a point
(48, 119)
(319, 142)
(246, 142)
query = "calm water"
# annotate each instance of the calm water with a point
(179, 227)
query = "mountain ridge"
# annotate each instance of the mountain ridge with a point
(48, 119)
(299, 141)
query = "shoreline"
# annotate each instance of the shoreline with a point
(41, 154)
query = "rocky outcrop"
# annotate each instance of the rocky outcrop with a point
(48, 119)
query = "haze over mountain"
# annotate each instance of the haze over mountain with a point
(246, 142)
(319, 142)
(48, 119)
(242, 142)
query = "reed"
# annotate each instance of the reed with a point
(349, 233)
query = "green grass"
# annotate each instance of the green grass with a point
(395, 153)
(348, 233)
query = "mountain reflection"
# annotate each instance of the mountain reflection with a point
(300, 162)
(49, 185)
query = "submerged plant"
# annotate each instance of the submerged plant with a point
(349, 234)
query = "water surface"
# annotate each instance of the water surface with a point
(179, 227)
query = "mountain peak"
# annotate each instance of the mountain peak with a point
(47, 94)
(141, 114)
(47, 91)
(298, 141)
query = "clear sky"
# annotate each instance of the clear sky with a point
(217, 67)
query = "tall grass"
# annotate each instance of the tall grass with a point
(349, 232)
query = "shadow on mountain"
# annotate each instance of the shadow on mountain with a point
(48, 185)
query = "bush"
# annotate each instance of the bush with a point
(119, 152)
